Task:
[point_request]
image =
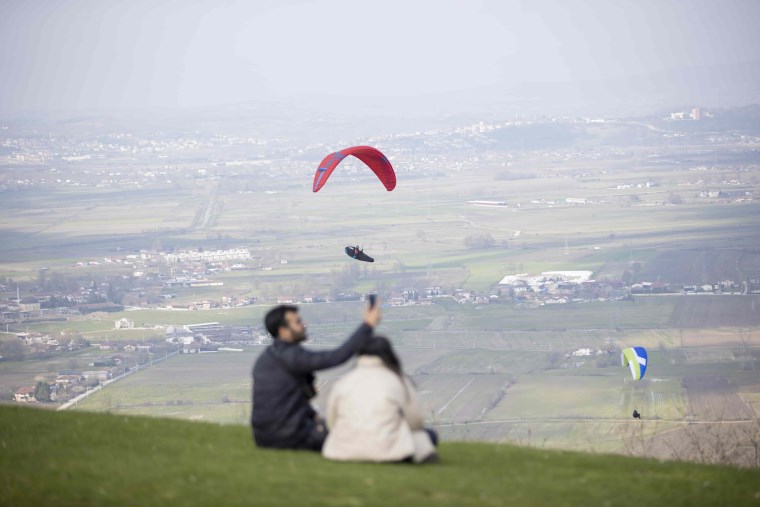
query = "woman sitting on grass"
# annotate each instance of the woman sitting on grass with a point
(373, 412)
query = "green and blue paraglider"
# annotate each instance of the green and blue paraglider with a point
(636, 359)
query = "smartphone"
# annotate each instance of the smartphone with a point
(372, 300)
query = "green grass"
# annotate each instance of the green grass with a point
(59, 458)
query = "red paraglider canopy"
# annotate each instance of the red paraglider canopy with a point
(374, 159)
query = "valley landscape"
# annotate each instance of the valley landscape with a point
(514, 260)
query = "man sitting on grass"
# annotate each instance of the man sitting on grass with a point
(283, 380)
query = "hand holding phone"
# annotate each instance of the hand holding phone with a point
(372, 311)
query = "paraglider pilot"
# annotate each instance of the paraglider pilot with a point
(357, 253)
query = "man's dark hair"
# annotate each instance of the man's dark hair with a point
(275, 318)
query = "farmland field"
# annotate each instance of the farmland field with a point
(699, 266)
(707, 311)
(537, 397)
(211, 387)
(716, 399)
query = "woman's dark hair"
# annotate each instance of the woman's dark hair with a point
(381, 347)
(275, 318)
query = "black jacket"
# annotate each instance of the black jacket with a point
(282, 415)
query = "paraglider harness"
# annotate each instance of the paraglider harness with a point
(306, 381)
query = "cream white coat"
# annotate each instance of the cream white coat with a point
(373, 417)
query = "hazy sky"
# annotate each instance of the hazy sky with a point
(57, 54)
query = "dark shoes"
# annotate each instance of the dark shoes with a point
(432, 458)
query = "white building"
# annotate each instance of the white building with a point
(209, 255)
(124, 324)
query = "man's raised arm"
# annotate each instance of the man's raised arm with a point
(303, 360)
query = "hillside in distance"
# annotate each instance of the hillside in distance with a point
(54, 458)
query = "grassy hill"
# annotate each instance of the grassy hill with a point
(60, 458)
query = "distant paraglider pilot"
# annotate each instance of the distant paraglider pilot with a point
(636, 414)
(357, 253)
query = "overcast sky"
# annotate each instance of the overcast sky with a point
(70, 55)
